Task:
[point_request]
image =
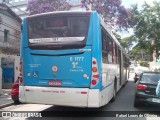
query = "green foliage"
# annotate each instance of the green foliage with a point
(114, 14)
(126, 42)
(144, 63)
(146, 24)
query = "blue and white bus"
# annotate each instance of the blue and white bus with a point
(70, 59)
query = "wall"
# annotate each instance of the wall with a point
(16, 66)
(13, 26)
(6, 48)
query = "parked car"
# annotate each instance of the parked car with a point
(15, 91)
(146, 89)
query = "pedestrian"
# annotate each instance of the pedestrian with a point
(158, 89)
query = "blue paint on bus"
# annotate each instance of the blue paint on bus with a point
(40, 62)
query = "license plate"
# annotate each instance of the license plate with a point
(55, 83)
(156, 100)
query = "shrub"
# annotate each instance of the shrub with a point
(144, 63)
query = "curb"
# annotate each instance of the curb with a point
(6, 105)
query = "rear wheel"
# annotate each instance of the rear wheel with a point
(114, 95)
(114, 91)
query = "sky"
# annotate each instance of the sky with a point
(127, 3)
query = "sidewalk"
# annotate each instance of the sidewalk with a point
(5, 98)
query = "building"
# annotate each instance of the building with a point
(9, 46)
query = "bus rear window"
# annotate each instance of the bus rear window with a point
(61, 26)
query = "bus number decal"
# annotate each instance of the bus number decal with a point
(75, 64)
(78, 59)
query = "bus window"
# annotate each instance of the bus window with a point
(104, 47)
(114, 53)
(58, 27)
(110, 52)
(53, 30)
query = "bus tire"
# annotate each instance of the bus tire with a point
(114, 96)
(114, 92)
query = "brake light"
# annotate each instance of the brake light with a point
(96, 76)
(94, 82)
(94, 62)
(141, 87)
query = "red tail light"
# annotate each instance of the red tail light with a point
(141, 87)
(20, 70)
(94, 82)
(94, 62)
(95, 76)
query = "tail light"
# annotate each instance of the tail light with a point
(94, 82)
(95, 75)
(141, 87)
(94, 69)
(20, 71)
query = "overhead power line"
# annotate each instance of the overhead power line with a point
(7, 25)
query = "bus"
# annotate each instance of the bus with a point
(70, 58)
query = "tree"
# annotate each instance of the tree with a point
(126, 42)
(42, 6)
(112, 11)
(147, 24)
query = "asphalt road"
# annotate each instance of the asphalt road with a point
(121, 106)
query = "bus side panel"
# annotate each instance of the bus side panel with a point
(22, 94)
(23, 44)
(107, 94)
(94, 98)
(97, 47)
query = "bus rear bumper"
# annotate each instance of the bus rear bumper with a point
(76, 97)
